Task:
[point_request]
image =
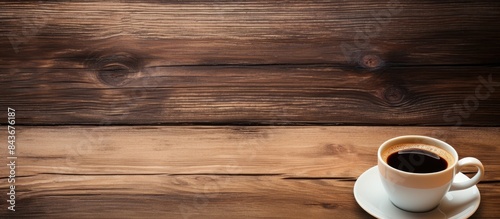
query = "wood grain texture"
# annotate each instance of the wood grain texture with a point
(201, 197)
(256, 95)
(253, 32)
(215, 172)
(121, 67)
(187, 197)
(288, 151)
(251, 62)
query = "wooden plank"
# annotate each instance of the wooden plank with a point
(288, 151)
(251, 32)
(214, 172)
(184, 197)
(161, 196)
(262, 62)
(255, 94)
(139, 196)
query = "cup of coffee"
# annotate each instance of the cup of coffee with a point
(417, 171)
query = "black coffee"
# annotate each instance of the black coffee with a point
(416, 160)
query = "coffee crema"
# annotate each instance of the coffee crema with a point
(417, 158)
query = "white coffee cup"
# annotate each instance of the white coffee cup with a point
(420, 192)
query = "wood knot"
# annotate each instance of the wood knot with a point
(394, 94)
(329, 205)
(371, 62)
(116, 69)
(335, 149)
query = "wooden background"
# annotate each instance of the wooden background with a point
(237, 109)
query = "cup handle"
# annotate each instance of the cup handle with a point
(468, 161)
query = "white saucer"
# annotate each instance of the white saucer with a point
(371, 196)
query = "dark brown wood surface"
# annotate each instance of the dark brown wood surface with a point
(266, 95)
(215, 172)
(237, 109)
(252, 32)
(253, 62)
